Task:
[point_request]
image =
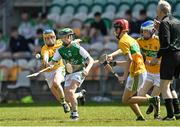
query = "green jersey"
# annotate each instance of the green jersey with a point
(74, 54)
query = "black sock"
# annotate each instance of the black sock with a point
(176, 106)
(169, 107)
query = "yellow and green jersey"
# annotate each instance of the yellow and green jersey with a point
(150, 48)
(51, 51)
(128, 45)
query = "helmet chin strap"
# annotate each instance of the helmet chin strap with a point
(117, 36)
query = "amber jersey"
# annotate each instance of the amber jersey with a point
(51, 51)
(128, 45)
(150, 48)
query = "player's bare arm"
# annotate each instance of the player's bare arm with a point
(45, 59)
(110, 56)
(126, 67)
(90, 64)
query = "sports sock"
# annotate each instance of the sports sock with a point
(75, 113)
(169, 107)
(176, 106)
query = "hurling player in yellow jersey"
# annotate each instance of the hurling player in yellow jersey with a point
(149, 44)
(54, 76)
(134, 72)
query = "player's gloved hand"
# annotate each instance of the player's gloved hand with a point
(51, 66)
(113, 63)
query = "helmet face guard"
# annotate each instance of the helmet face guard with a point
(49, 37)
(122, 25)
(66, 32)
(116, 27)
(149, 27)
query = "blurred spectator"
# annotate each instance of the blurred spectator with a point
(26, 26)
(98, 29)
(85, 30)
(142, 18)
(132, 23)
(38, 41)
(99, 24)
(41, 22)
(3, 42)
(39, 38)
(96, 36)
(17, 42)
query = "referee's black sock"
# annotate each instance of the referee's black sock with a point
(176, 106)
(169, 107)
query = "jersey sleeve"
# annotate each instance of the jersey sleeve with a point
(139, 42)
(56, 56)
(84, 53)
(124, 47)
(44, 51)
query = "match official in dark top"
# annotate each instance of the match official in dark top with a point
(169, 36)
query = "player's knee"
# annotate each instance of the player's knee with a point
(55, 85)
(71, 93)
(57, 82)
(58, 78)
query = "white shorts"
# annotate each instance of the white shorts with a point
(154, 78)
(74, 76)
(50, 75)
(135, 83)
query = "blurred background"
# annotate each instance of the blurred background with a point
(23, 21)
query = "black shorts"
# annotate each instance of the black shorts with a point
(170, 66)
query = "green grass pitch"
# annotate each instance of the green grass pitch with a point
(92, 114)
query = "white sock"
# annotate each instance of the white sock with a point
(75, 113)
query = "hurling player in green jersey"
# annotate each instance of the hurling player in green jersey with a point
(78, 64)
